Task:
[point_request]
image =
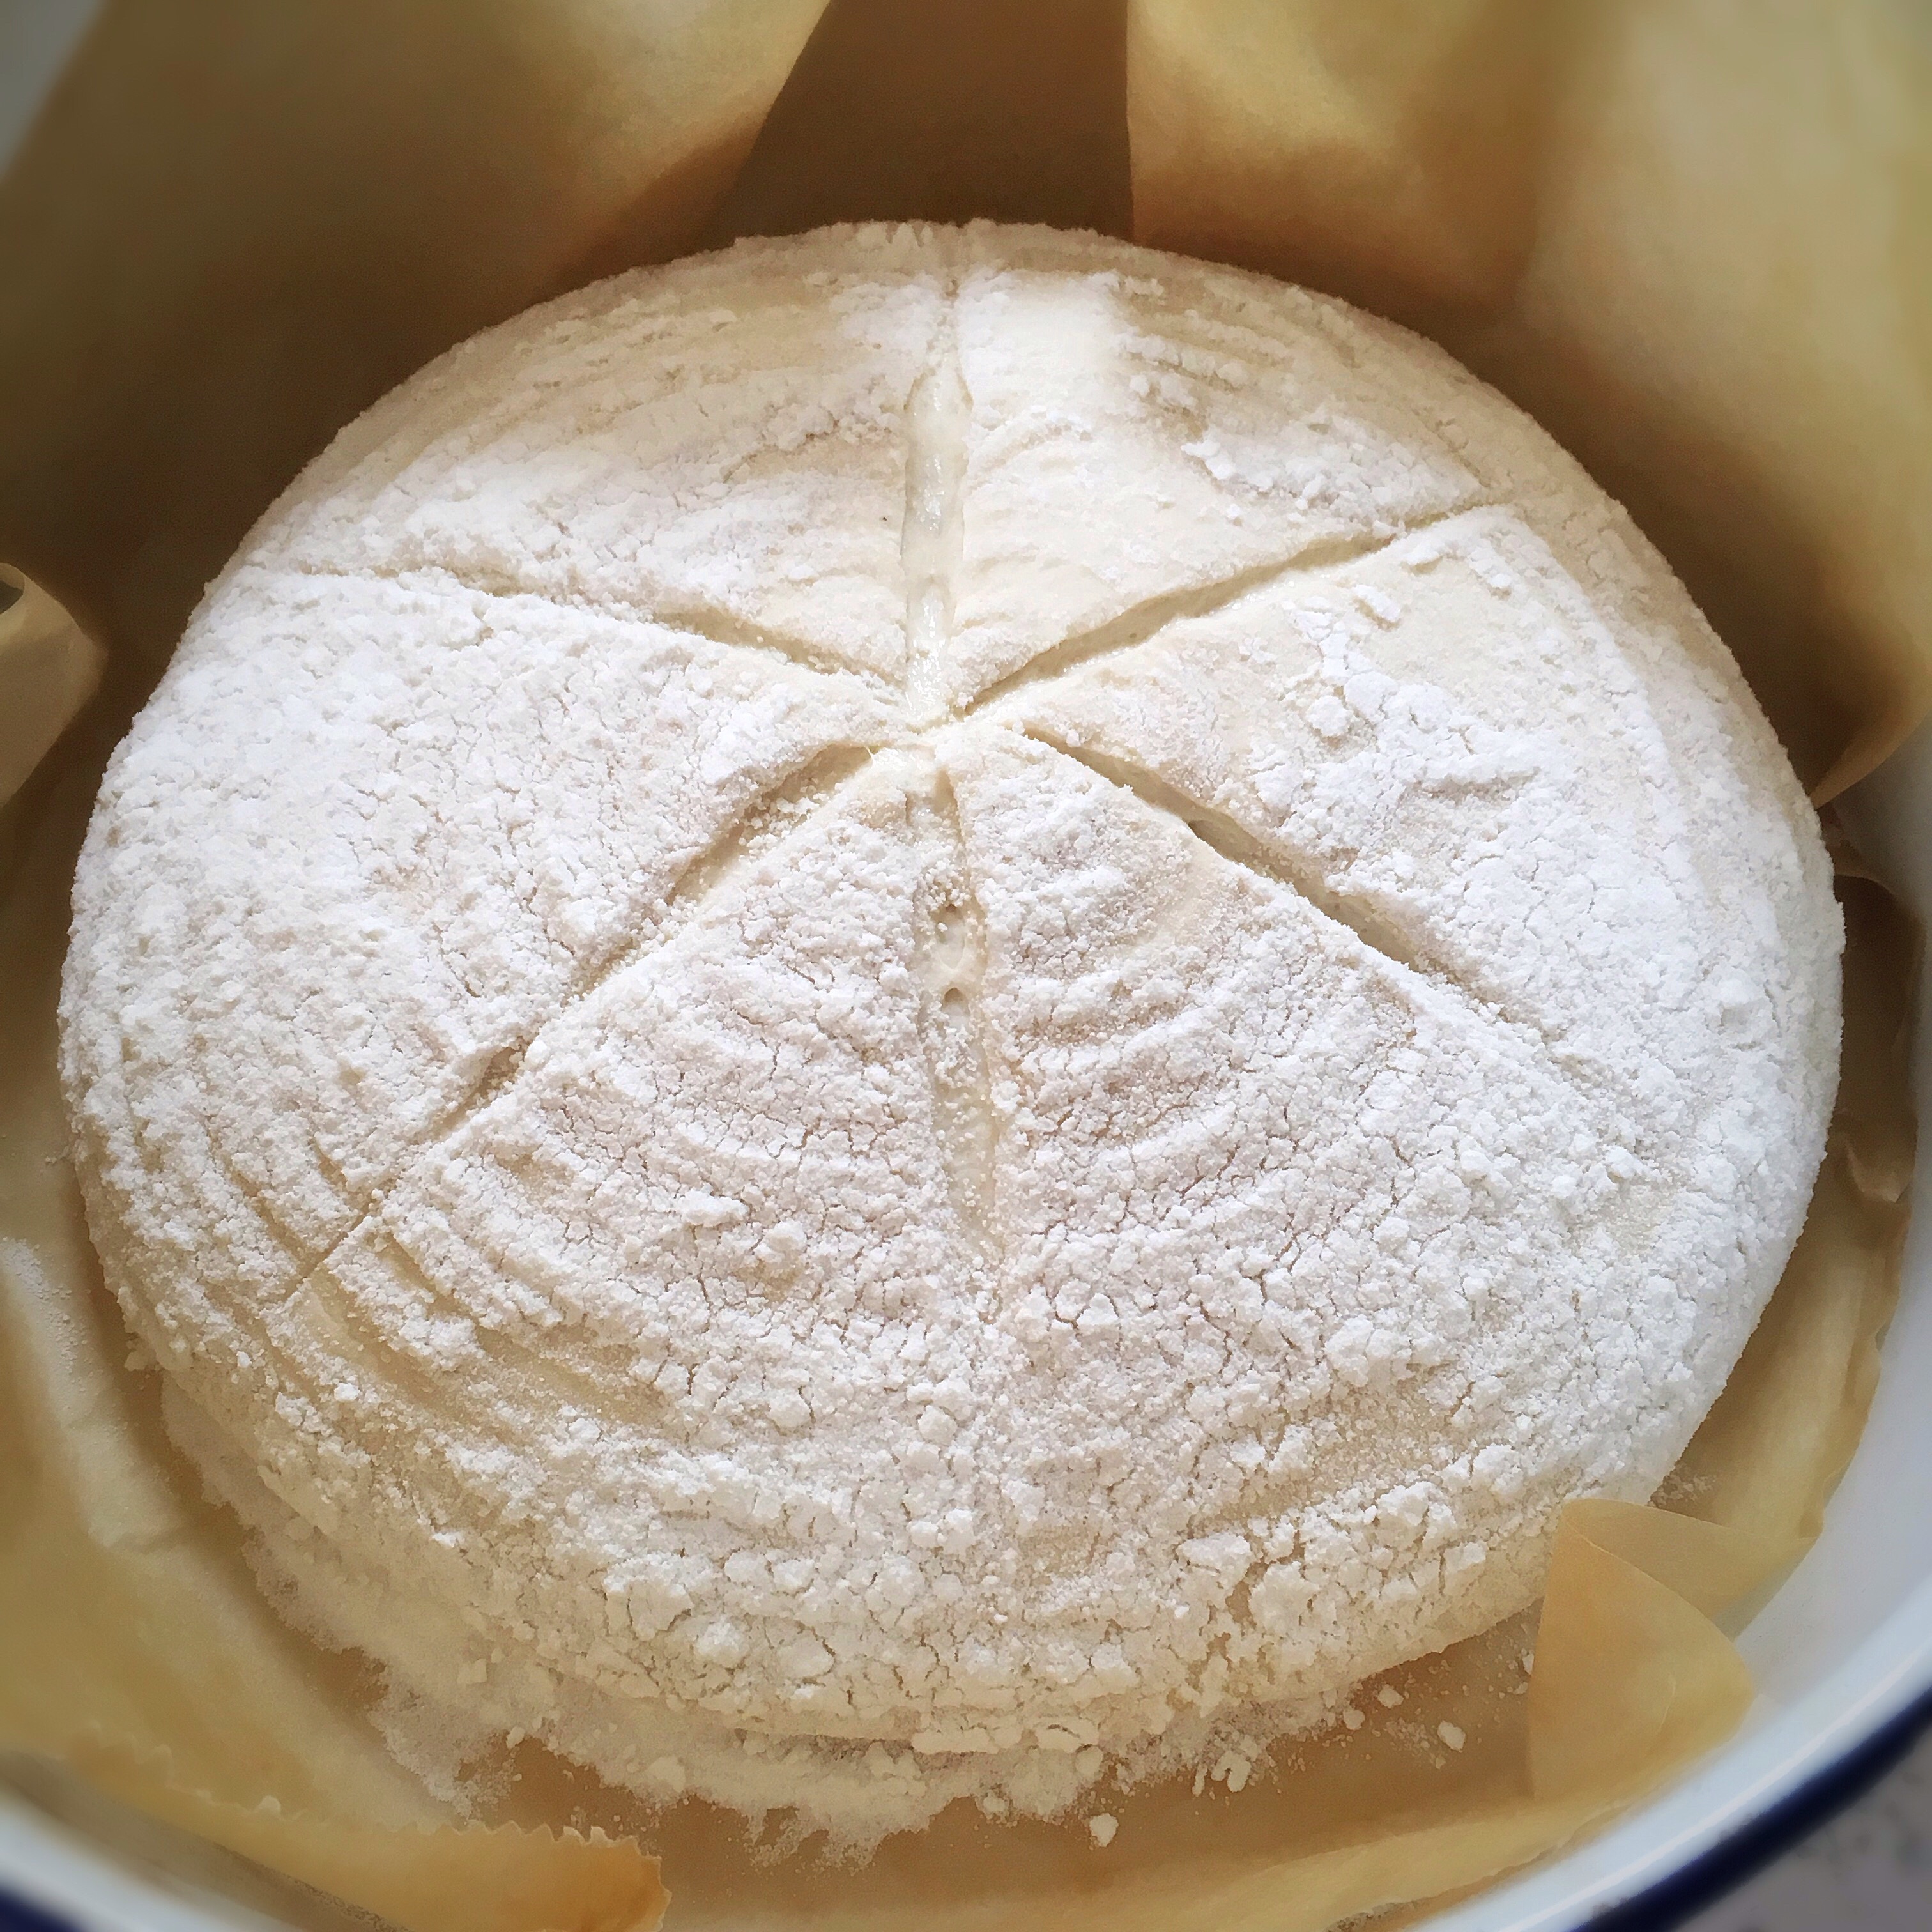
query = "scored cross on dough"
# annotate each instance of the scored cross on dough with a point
(964, 989)
(763, 820)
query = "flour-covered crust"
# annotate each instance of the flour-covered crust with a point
(884, 1013)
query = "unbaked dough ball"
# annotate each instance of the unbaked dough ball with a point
(882, 1015)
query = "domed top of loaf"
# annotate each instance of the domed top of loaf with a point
(880, 1007)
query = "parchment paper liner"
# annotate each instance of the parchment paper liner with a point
(209, 172)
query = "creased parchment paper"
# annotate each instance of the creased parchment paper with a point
(1693, 238)
(1687, 239)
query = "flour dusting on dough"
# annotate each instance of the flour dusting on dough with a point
(925, 1013)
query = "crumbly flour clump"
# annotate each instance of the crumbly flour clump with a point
(894, 1014)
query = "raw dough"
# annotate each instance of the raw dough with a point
(879, 1015)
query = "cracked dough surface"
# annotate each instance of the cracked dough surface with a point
(877, 1014)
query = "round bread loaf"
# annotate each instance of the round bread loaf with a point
(886, 1013)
